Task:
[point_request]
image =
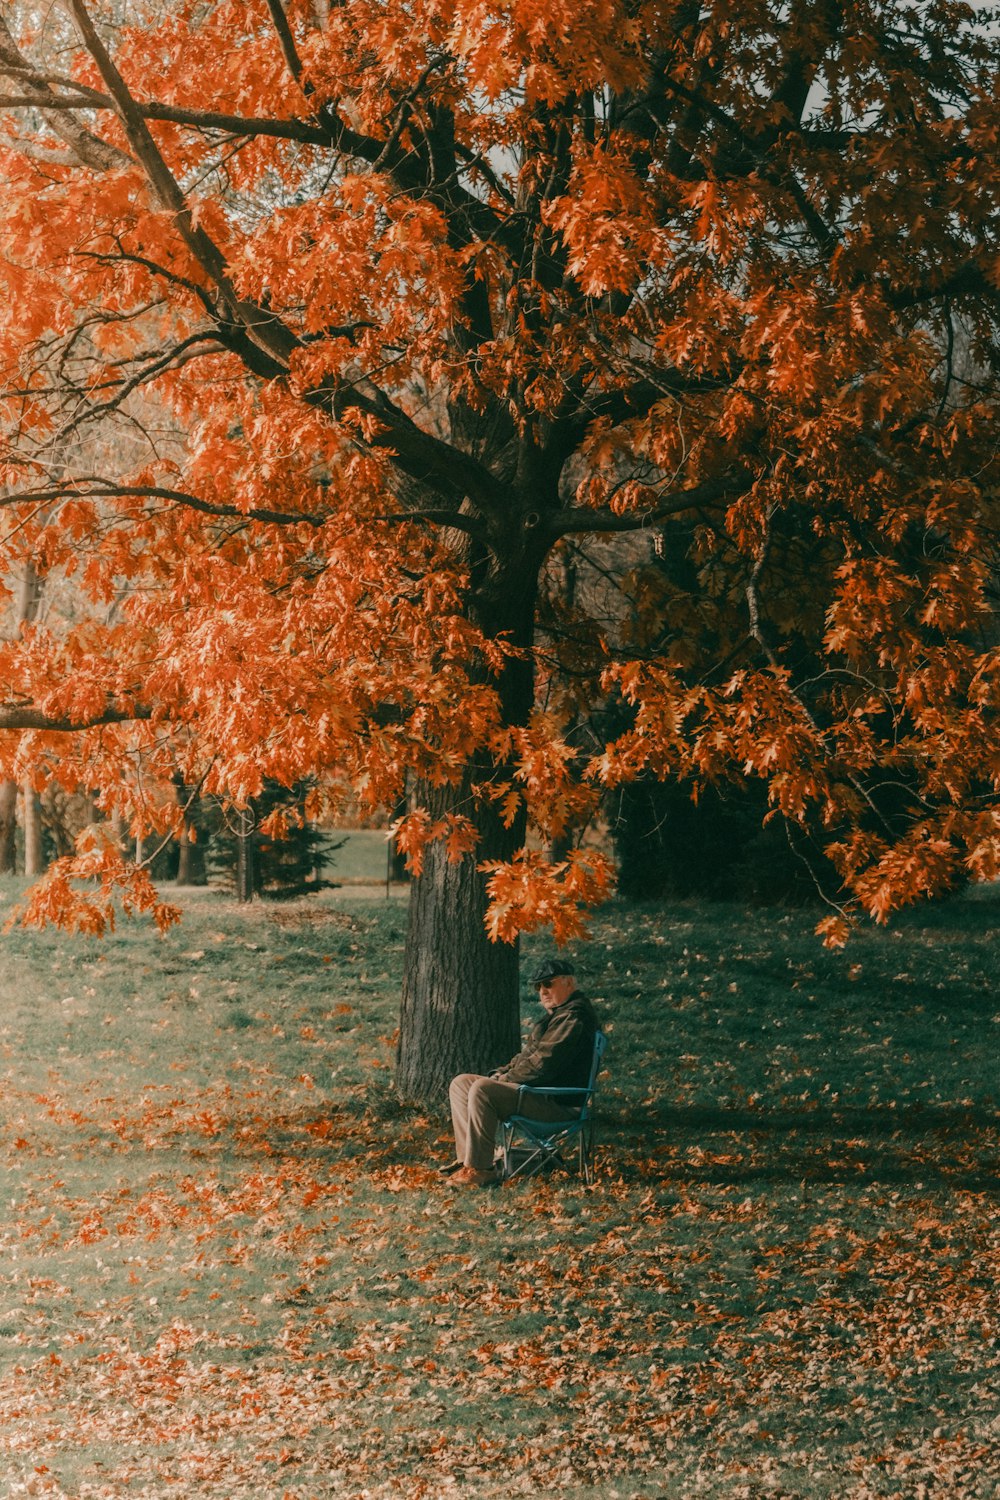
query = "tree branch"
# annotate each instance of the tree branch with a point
(418, 454)
(124, 388)
(178, 114)
(86, 488)
(284, 33)
(448, 519)
(583, 518)
(99, 155)
(15, 716)
(968, 280)
(268, 332)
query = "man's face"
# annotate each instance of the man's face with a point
(557, 991)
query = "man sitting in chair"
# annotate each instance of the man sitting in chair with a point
(557, 1054)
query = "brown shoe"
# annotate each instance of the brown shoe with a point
(470, 1177)
(451, 1168)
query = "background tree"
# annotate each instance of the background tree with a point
(288, 853)
(23, 606)
(425, 294)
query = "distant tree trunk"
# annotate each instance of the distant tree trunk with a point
(29, 598)
(246, 873)
(190, 858)
(34, 854)
(30, 594)
(190, 855)
(560, 848)
(8, 827)
(396, 857)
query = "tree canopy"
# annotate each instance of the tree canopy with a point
(338, 335)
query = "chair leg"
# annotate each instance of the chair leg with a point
(587, 1154)
(505, 1138)
(541, 1153)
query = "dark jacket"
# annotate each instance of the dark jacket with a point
(559, 1050)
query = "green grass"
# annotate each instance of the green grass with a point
(362, 857)
(228, 1267)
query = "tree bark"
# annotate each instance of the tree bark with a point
(461, 993)
(246, 873)
(190, 854)
(29, 598)
(396, 859)
(460, 1010)
(190, 858)
(34, 854)
(8, 827)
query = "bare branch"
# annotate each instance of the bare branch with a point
(174, 357)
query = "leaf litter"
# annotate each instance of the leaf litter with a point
(229, 1267)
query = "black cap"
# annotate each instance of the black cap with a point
(551, 969)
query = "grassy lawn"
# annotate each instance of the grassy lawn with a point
(361, 857)
(229, 1269)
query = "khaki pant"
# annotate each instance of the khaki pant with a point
(478, 1105)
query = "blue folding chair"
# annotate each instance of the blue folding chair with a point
(529, 1146)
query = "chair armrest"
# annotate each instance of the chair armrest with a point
(526, 1088)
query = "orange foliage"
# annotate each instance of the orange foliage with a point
(82, 892)
(330, 331)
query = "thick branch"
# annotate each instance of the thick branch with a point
(17, 716)
(175, 114)
(420, 455)
(100, 490)
(967, 281)
(284, 33)
(627, 402)
(583, 518)
(95, 489)
(448, 519)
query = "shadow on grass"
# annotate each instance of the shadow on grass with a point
(953, 1145)
(949, 1146)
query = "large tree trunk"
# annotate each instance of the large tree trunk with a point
(460, 1010)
